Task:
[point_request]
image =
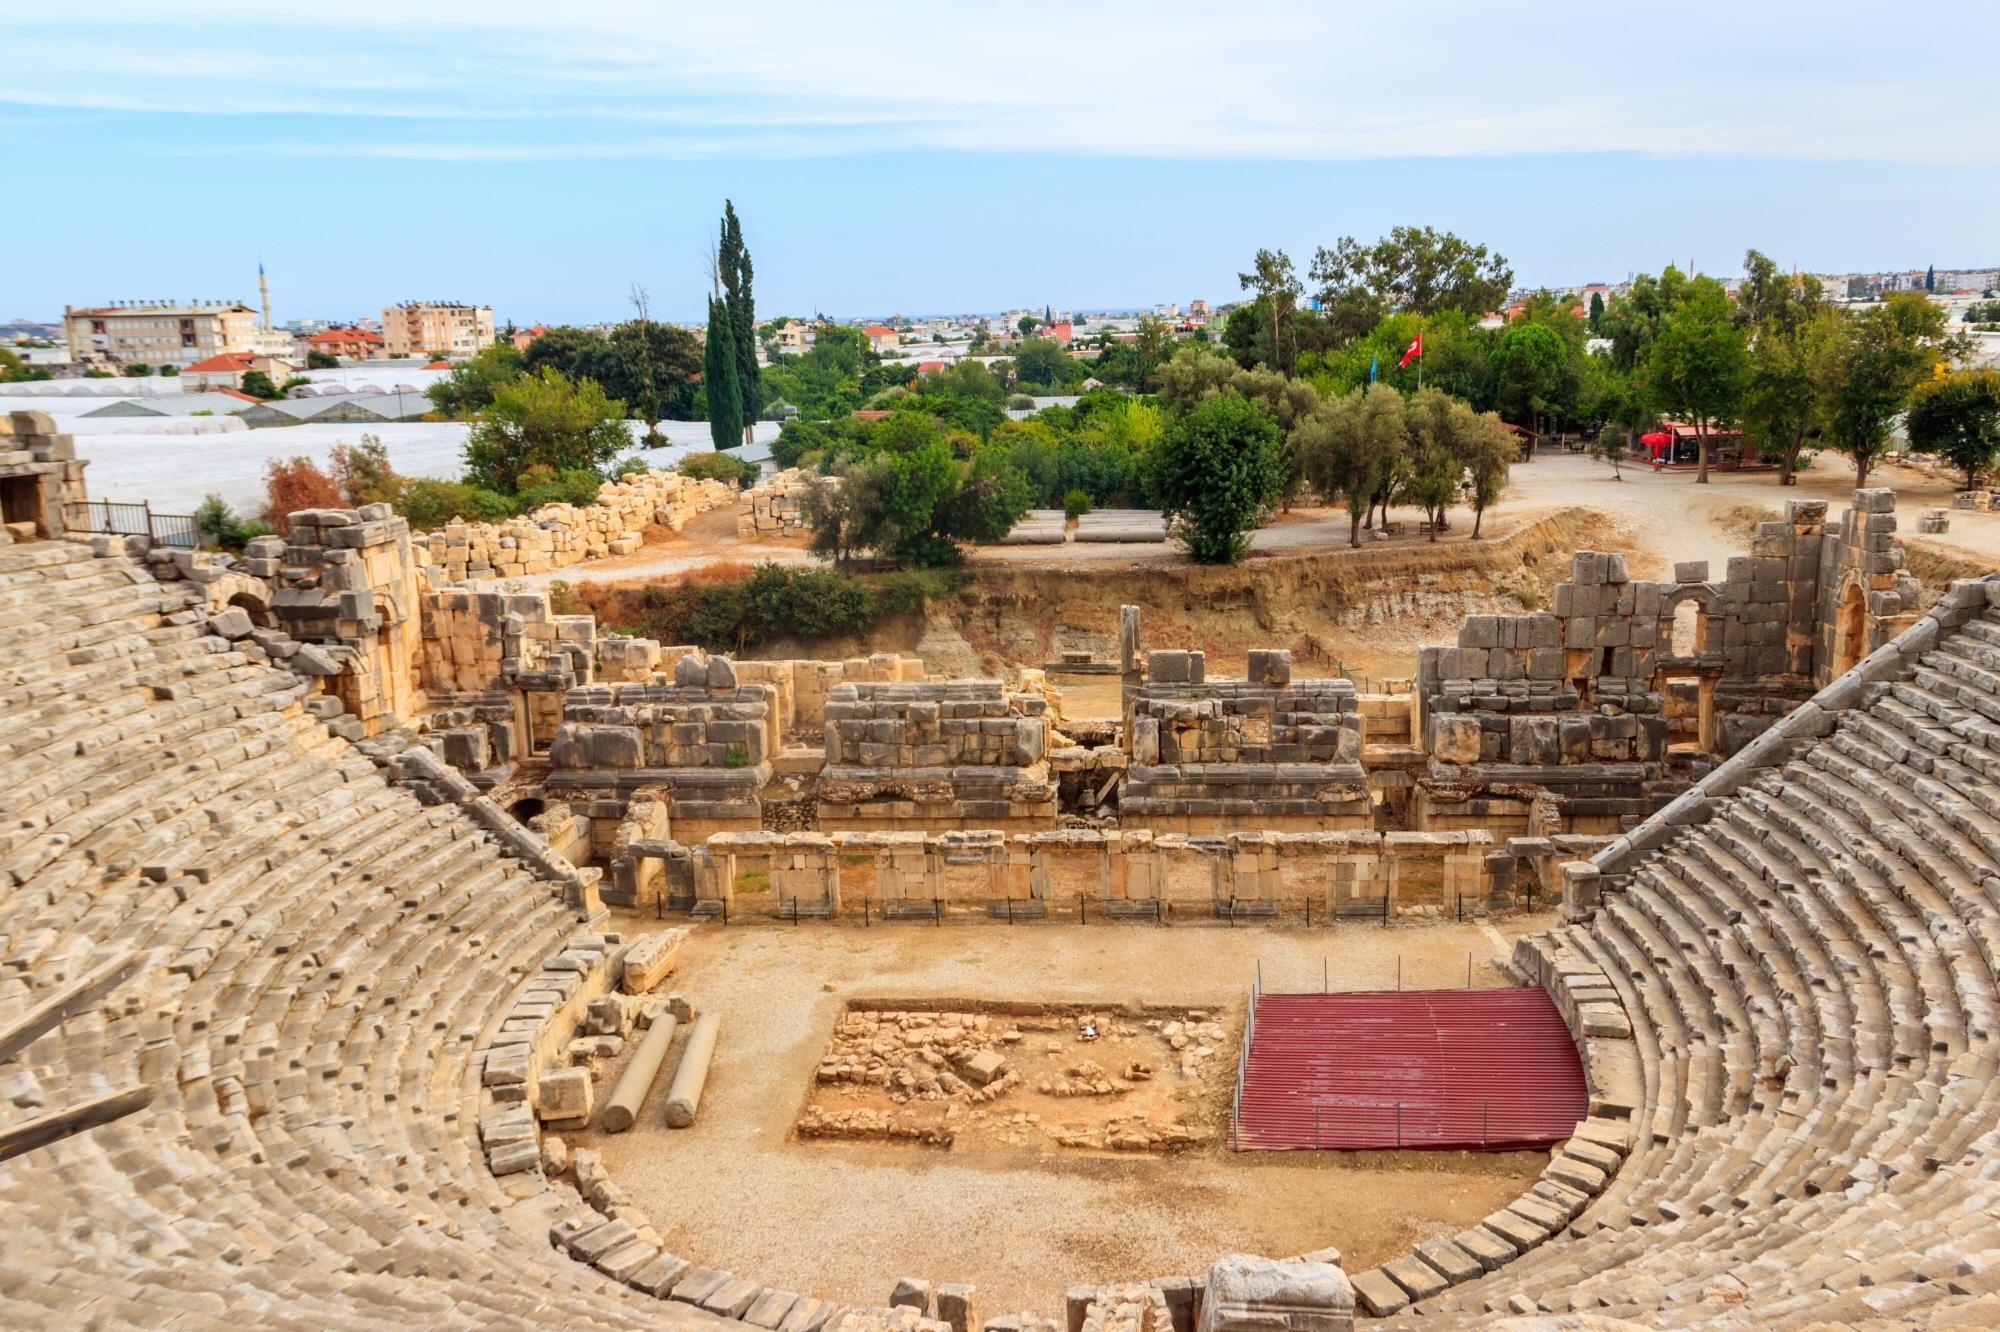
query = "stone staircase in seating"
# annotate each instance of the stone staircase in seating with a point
(1808, 954)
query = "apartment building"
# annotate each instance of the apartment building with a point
(161, 333)
(418, 328)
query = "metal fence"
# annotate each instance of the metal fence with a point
(108, 518)
(1243, 1060)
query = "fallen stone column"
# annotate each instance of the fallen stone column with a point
(684, 1096)
(631, 1090)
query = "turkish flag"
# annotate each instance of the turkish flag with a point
(1412, 352)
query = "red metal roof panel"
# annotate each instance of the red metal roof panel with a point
(1465, 1069)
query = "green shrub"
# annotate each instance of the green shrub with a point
(775, 600)
(1020, 402)
(578, 486)
(430, 504)
(1075, 504)
(219, 523)
(720, 467)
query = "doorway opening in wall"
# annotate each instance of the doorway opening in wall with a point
(527, 807)
(1689, 634)
(21, 502)
(1850, 628)
(1690, 712)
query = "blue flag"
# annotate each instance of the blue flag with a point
(1371, 368)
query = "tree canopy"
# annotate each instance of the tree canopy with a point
(1699, 363)
(904, 489)
(468, 388)
(1214, 470)
(1781, 310)
(1276, 283)
(1866, 366)
(734, 274)
(1957, 417)
(648, 365)
(1415, 270)
(544, 420)
(718, 378)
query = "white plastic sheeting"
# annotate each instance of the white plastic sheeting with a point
(175, 471)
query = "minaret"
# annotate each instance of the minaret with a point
(264, 290)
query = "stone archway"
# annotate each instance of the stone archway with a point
(1850, 628)
(1686, 613)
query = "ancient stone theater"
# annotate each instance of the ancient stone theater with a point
(352, 895)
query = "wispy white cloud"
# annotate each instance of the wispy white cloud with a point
(515, 79)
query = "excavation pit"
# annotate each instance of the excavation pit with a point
(1024, 1220)
(1019, 1077)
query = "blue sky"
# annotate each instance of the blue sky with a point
(918, 158)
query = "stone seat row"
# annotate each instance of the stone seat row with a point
(325, 952)
(1810, 975)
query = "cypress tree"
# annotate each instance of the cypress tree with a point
(718, 378)
(733, 258)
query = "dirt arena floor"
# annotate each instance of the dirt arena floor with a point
(845, 1220)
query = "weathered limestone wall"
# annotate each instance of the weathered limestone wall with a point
(826, 874)
(39, 474)
(774, 507)
(496, 666)
(1866, 597)
(935, 756)
(477, 641)
(804, 686)
(1599, 678)
(558, 535)
(703, 740)
(1265, 750)
(567, 834)
(345, 581)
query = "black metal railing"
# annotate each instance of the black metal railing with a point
(110, 518)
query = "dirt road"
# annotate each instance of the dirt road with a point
(1667, 515)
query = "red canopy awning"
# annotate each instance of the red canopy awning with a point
(1656, 437)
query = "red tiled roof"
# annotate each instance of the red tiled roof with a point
(869, 415)
(343, 337)
(236, 362)
(925, 367)
(438, 365)
(877, 330)
(238, 393)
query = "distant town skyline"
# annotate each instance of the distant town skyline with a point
(541, 162)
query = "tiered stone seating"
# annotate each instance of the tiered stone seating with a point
(1810, 975)
(323, 955)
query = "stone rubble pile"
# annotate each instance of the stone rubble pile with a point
(919, 1056)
